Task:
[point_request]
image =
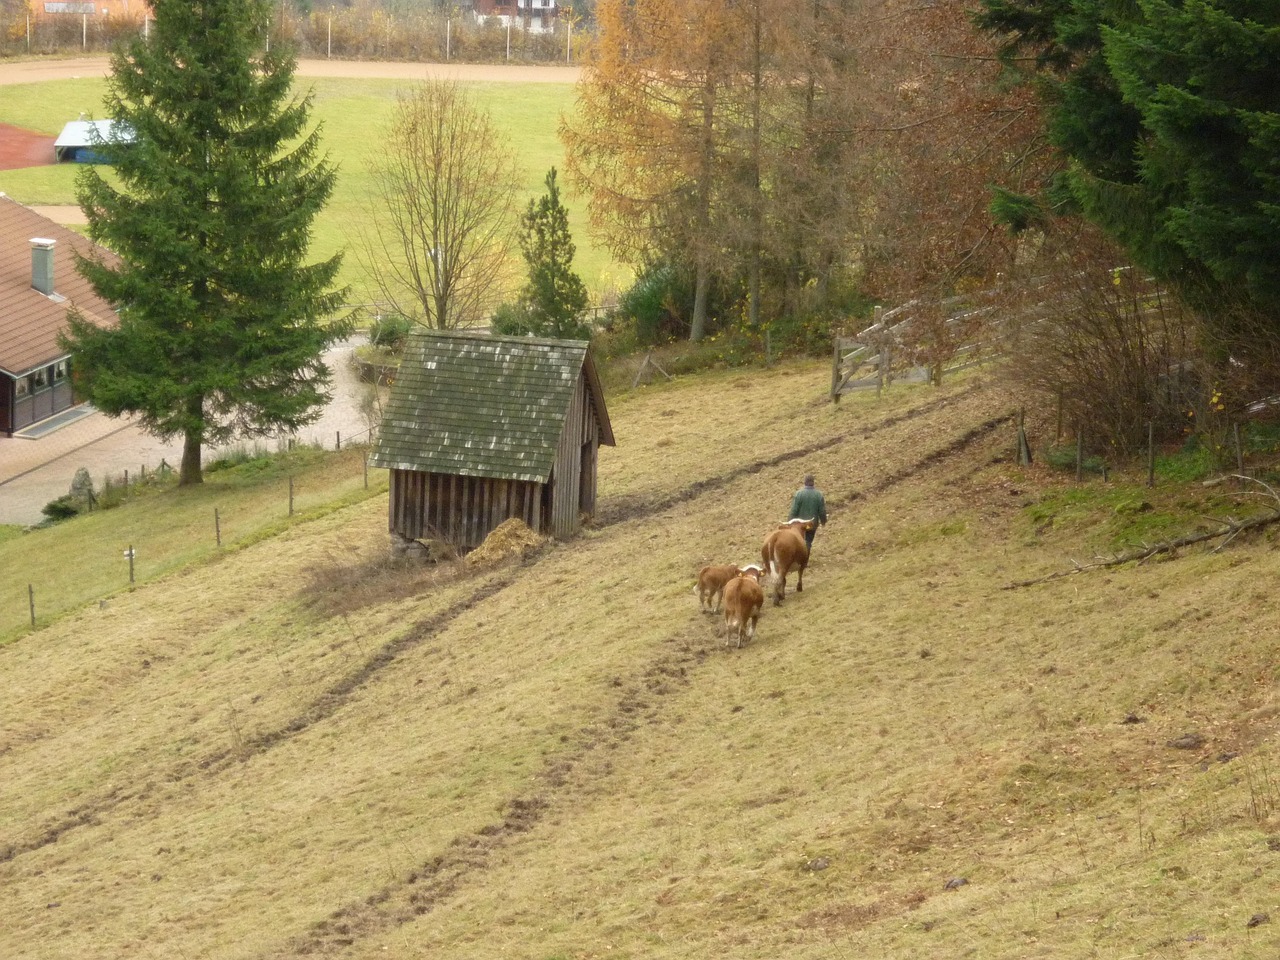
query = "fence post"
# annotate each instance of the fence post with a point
(835, 372)
(1058, 436)
(130, 553)
(1235, 430)
(1024, 448)
(329, 50)
(31, 602)
(1151, 453)
(217, 527)
(84, 32)
(291, 496)
(1079, 452)
(366, 472)
(508, 39)
(338, 444)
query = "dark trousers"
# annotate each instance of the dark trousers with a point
(808, 538)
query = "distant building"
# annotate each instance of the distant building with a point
(39, 283)
(79, 140)
(535, 16)
(479, 429)
(116, 9)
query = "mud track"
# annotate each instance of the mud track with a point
(639, 702)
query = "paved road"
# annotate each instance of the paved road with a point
(33, 472)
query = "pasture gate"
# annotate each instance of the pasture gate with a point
(917, 342)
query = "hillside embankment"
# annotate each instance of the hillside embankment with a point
(297, 749)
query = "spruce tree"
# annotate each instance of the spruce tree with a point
(223, 322)
(1169, 112)
(555, 296)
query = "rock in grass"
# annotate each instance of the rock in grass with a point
(955, 883)
(1188, 741)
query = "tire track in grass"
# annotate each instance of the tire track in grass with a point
(339, 693)
(639, 506)
(640, 702)
(321, 708)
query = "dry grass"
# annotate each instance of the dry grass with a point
(556, 759)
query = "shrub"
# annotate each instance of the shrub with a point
(63, 508)
(390, 331)
(652, 305)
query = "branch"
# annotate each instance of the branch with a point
(1230, 531)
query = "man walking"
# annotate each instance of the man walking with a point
(808, 503)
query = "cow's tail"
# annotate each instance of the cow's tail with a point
(770, 563)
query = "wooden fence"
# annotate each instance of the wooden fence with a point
(904, 344)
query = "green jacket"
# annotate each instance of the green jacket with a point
(808, 503)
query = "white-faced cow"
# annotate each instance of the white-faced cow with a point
(785, 550)
(743, 598)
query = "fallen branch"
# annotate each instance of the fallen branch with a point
(1230, 529)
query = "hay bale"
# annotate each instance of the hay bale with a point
(511, 538)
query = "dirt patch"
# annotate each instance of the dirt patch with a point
(24, 148)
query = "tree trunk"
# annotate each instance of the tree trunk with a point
(701, 292)
(189, 473)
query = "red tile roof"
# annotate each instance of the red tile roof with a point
(30, 321)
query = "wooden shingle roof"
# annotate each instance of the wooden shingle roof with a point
(478, 405)
(30, 321)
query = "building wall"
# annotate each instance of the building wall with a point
(116, 9)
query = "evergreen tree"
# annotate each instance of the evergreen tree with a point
(555, 296)
(1168, 112)
(209, 210)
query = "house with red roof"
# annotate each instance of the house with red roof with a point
(39, 285)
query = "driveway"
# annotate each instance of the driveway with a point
(35, 471)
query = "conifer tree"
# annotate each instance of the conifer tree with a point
(1169, 115)
(555, 295)
(223, 322)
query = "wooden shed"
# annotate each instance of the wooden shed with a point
(481, 428)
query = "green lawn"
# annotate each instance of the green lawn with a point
(355, 114)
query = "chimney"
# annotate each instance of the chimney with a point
(42, 265)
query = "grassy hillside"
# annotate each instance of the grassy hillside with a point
(295, 749)
(354, 114)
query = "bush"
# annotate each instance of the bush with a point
(390, 331)
(652, 305)
(512, 320)
(63, 508)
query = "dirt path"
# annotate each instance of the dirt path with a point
(34, 71)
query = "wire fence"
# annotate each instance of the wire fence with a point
(78, 565)
(339, 34)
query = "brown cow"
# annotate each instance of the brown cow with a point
(785, 550)
(710, 586)
(743, 598)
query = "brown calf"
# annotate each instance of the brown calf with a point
(710, 587)
(785, 550)
(743, 598)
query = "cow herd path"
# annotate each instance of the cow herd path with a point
(35, 471)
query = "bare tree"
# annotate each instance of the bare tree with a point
(447, 183)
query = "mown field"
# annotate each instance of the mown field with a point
(294, 749)
(354, 114)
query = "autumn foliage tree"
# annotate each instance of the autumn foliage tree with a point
(446, 182)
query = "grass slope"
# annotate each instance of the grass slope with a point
(293, 750)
